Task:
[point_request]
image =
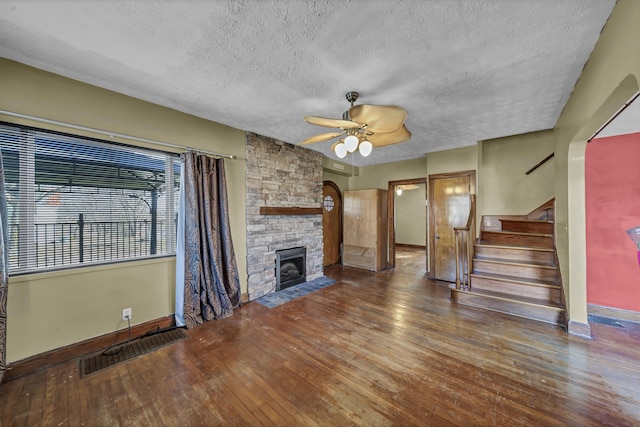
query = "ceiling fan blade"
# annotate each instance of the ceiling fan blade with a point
(379, 118)
(382, 139)
(331, 123)
(320, 138)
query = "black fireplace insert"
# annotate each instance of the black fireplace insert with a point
(291, 267)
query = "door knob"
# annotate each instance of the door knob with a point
(437, 237)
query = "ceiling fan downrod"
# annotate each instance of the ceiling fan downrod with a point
(351, 97)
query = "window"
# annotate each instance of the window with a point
(74, 201)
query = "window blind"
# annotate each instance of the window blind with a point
(75, 201)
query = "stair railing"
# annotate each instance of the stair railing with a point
(540, 163)
(465, 238)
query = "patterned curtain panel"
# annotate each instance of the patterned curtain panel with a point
(4, 266)
(211, 283)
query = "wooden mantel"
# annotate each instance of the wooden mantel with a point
(274, 210)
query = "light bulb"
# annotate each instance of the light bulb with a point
(365, 148)
(351, 142)
(341, 150)
(399, 191)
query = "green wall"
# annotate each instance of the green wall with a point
(340, 180)
(505, 188)
(457, 160)
(378, 176)
(338, 172)
(50, 310)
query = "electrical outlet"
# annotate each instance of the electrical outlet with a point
(126, 313)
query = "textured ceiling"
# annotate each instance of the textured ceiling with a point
(464, 70)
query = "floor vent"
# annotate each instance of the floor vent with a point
(129, 350)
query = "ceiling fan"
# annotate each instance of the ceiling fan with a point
(365, 127)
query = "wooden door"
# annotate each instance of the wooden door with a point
(331, 222)
(449, 208)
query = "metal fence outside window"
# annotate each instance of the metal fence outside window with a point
(76, 243)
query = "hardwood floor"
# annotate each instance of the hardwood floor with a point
(386, 348)
(411, 259)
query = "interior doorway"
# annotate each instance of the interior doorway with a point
(331, 223)
(449, 207)
(421, 183)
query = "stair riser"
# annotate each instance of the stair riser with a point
(535, 312)
(526, 271)
(517, 289)
(521, 255)
(527, 227)
(517, 239)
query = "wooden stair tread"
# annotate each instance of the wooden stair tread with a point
(503, 246)
(541, 221)
(495, 260)
(506, 245)
(530, 308)
(517, 279)
(519, 233)
(515, 298)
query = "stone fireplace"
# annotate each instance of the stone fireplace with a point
(281, 175)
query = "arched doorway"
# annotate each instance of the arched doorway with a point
(573, 262)
(331, 222)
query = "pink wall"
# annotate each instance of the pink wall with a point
(612, 181)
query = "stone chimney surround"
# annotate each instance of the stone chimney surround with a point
(281, 175)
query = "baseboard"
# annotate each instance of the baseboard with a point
(244, 298)
(580, 329)
(72, 351)
(614, 313)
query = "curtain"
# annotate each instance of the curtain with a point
(209, 286)
(4, 268)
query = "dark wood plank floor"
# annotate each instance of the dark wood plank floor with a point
(373, 349)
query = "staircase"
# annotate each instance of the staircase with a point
(514, 268)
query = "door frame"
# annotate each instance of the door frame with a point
(391, 221)
(340, 218)
(431, 273)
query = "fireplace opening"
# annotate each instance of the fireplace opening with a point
(291, 267)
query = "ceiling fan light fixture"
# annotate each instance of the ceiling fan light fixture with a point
(363, 126)
(365, 148)
(351, 142)
(341, 150)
